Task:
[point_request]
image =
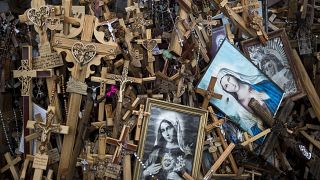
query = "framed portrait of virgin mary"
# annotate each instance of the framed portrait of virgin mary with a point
(171, 141)
(275, 60)
(239, 80)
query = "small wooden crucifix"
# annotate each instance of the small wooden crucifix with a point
(121, 143)
(149, 44)
(209, 93)
(141, 113)
(11, 165)
(45, 129)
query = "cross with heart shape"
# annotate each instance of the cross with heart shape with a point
(83, 54)
(149, 44)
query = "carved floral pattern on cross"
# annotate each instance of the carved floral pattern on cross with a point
(26, 78)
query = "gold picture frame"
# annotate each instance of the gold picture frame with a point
(164, 144)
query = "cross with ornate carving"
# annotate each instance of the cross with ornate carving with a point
(121, 143)
(209, 93)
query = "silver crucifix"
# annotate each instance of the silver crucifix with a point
(110, 28)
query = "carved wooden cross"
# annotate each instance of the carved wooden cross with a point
(121, 143)
(25, 73)
(245, 5)
(11, 165)
(83, 53)
(180, 81)
(141, 114)
(44, 130)
(209, 93)
(149, 44)
(124, 79)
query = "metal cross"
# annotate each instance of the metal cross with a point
(110, 28)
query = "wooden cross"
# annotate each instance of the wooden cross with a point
(234, 17)
(268, 120)
(209, 93)
(222, 140)
(103, 83)
(123, 79)
(79, 72)
(149, 44)
(121, 144)
(219, 161)
(141, 114)
(25, 73)
(11, 165)
(212, 148)
(245, 5)
(45, 129)
(180, 78)
(132, 107)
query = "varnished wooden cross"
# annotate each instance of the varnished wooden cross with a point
(11, 165)
(141, 114)
(121, 143)
(209, 93)
(123, 79)
(149, 44)
(79, 72)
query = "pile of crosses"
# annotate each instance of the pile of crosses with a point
(92, 74)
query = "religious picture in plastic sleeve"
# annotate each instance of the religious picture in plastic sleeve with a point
(238, 80)
(170, 145)
(274, 59)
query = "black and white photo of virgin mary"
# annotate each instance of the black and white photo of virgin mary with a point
(273, 58)
(170, 144)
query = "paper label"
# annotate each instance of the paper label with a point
(40, 161)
